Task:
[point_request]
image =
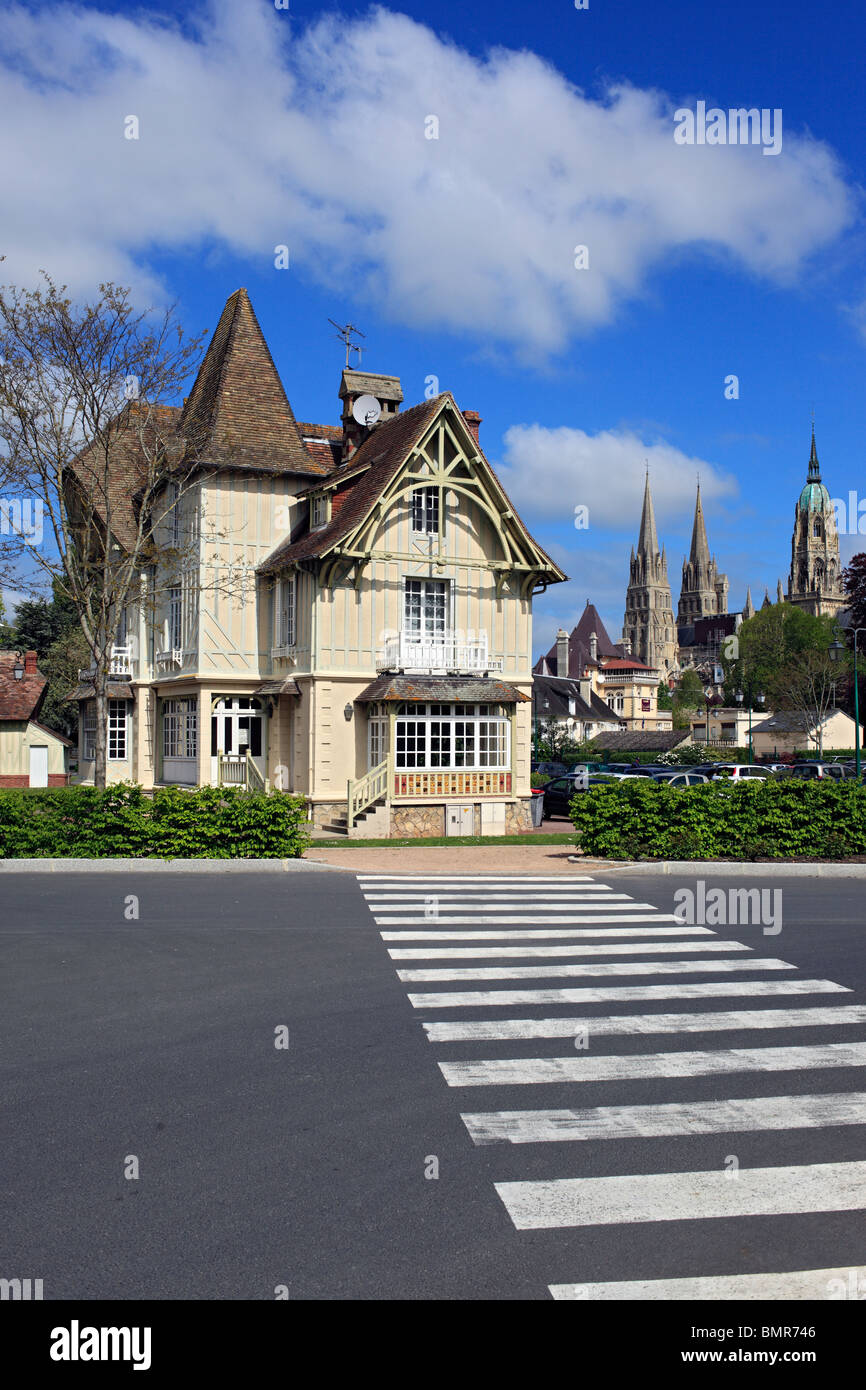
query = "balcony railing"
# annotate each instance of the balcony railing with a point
(120, 663)
(408, 785)
(450, 652)
(174, 657)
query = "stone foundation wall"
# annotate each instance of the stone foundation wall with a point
(416, 822)
(323, 812)
(518, 817)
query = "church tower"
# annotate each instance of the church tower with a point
(814, 582)
(704, 591)
(648, 626)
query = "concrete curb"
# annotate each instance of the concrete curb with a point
(752, 868)
(139, 866)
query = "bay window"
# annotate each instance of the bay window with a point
(452, 736)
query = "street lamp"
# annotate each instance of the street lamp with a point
(836, 650)
(739, 696)
(708, 695)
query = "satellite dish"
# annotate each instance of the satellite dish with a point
(366, 410)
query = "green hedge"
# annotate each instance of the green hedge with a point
(777, 819)
(122, 822)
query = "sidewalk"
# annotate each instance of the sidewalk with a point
(456, 859)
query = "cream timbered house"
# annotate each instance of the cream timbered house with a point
(352, 618)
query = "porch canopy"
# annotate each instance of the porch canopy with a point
(114, 690)
(469, 690)
(450, 736)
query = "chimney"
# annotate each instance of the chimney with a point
(473, 420)
(562, 652)
(30, 663)
(384, 392)
(593, 647)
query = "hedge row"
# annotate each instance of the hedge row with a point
(775, 819)
(123, 822)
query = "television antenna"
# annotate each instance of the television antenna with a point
(345, 333)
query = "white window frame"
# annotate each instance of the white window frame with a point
(118, 731)
(425, 511)
(424, 635)
(452, 738)
(285, 612)
(89, 728)
(174, 509)
(320, 511)
(175, 618)
(180, 728)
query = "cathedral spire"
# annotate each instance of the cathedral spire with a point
(648, 542)
(748, 606)
(814, 466)
(700, 551)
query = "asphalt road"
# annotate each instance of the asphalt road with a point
(153, 1039)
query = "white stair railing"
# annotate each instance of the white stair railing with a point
(362, 793)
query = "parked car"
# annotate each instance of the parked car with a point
(836, 770)
(548, 769)
(619, 767)
(741, 772)
(691, 778)
(561, 791)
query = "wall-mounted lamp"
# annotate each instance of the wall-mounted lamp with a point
(18, 668)
(349, 711)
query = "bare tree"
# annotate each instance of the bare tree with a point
(87, 441)
(810, 690)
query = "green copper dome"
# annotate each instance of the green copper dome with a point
(814, 498)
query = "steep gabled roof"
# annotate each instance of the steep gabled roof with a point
(578, 645)
(374, 464)
(237, 412)
(382, 454)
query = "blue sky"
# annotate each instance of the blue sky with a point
(306, 127)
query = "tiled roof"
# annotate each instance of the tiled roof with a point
(566, 701)
(324, 443)
(385, 450)
(626, 663)
(578, 646)
(126, 471)
(465, 689)
(19, 700)
(114, 690)
(640, 740)
(237, 412)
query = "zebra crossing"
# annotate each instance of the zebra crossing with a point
(483, 943)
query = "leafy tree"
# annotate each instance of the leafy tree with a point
(770, 647)
(854, 584)
(665, 699)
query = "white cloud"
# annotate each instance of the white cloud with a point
(254, 132)
(549, 472)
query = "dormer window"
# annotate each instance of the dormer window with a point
(425, 511)
(320, 511)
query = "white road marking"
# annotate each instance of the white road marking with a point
(606, 933)
(573, 1202)
(534, 919)
(631, 967)
(605, 948)
(628, 1024)
(543, 1071)
(474, 878)
(589, 895)
(734, 989)
(652, 1121)
(790, 1286)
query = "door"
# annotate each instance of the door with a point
(237, 727)
(38, 765)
